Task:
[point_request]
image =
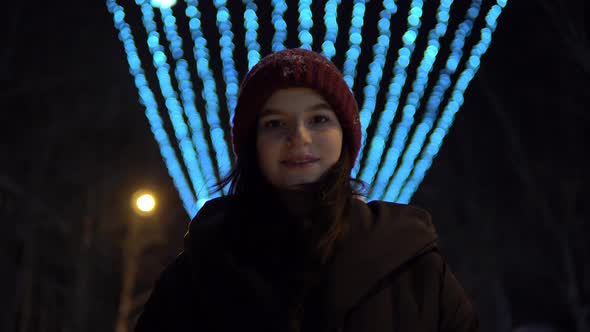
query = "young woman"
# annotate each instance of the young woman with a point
(294, 247)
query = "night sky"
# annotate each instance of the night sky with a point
(508, 191)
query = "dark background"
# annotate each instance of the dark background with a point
(508, 190)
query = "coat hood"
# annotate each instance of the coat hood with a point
(384, 236)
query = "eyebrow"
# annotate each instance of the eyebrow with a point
(313, 108)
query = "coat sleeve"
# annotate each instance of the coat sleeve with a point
(456, 311)
(168, 305)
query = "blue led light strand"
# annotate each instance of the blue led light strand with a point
(393, 94)
(413, 100)
(209, 91)
(147, 98)
(354, 42)
(331, 22)
(230, 74)
(380, 49)
(251, 26)
(172, 103)
(279, 7)
(433, 104)
(187, 95)
(454, 104)
(305, 24)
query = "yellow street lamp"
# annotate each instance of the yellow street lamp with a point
(144, 202)
(138, 235)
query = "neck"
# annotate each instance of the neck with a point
(300, 201)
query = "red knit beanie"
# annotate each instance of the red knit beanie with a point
(295, 68)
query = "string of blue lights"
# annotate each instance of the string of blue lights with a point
(355, 39)
(413, 100)
(187, 95)
(331, 23)
(446, 119)
(209, 90)
(279, 7)
(384, 124)
(147, 99)
(251, 38)
(230, 74)
(373, 79)
(187, 149)
(305, 24)
(435, 99)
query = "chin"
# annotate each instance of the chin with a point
(297, 184)
(301, 181)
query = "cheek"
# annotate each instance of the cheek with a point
(332, 144)
(267, 151)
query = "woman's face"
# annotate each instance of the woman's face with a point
(298, 137)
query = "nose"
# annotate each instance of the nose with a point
(299, 135)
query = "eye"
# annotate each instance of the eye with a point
(272, 123)
(318, 119)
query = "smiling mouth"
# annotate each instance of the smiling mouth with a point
(299, 163)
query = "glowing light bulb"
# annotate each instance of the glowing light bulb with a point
(146, 203)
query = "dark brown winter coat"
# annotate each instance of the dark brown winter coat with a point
(387, 276)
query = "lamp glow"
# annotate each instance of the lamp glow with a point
(145, 203)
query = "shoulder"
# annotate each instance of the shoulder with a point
(215, 209)
(212, 215)
(400, 210)
(211, 224)
(397, 216)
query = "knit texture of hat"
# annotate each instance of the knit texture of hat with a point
(295, 68)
